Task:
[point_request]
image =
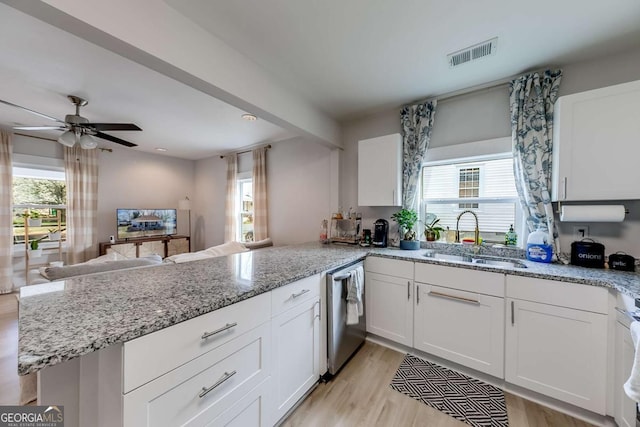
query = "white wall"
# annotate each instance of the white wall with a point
(485, 114)
(132, 179)
(299, 182)
(209, 199)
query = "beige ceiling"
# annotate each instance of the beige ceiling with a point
(41, 64)
(352, 57)
(347, 58)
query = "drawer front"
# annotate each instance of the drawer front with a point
(177, 398)
(562, 294)
(153, 355)
(390, 267)
(464, 279)
(290, 295)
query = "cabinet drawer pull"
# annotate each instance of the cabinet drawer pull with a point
(302, 292)
(417, 294)
(513, 318)
(222, 379)
(217, 331)
(408, 291)
(564, 191)
(461, 299)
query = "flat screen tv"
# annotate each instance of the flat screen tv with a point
(134, 223)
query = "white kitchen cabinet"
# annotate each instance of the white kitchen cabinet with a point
(249, 411)
(201, 390)
(558, 351)
(389, 299)
(625, 408)
(595, 147)
(447, 298)
(380, 171)
(463, 327)
(296, 354)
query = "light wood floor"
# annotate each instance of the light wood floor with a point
(360, 396)
(9, 383)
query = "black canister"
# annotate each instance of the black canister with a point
(621, 261)
(587, 253)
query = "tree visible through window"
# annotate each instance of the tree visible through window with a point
(245, 210)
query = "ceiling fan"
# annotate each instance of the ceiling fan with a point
(78, 129)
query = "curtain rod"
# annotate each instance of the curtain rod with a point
(55, 140)
(485, 86)
(247, 151)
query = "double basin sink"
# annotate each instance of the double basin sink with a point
(476, 259)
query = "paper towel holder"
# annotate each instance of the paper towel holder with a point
(560, 213)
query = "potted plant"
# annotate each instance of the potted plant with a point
(33, 218)
(54, 234)
(35, 251)
(407, 219)
(432, 230)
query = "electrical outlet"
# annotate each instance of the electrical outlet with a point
(580, 232)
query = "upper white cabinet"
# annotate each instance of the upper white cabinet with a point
(380, 171)
(595, 144)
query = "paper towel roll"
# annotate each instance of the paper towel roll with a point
(593, 213)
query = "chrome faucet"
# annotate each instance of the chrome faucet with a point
(477, 230)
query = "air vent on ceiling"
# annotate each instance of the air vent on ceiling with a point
(472, 53)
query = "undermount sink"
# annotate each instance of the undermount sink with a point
(502, 262)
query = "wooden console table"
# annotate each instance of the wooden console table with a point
(162, 245)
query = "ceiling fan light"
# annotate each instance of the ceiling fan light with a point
(68, 138)
(88, 142)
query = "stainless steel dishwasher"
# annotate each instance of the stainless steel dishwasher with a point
(343, 340)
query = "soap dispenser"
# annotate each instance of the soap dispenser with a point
(510, 237)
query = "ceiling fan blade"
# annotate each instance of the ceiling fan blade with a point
(114, 139)
(39, 128)
(30, 111)
(111, 126)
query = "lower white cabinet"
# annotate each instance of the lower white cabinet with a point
(463, 327)
(296, 354)
(204, 388)
(557, 351)
(389, 306)
(250, 410)
(625, 408)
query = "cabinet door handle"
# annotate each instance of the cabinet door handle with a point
(393, 195)
(408, 291)
(564, 190)
(513, 318)
(453, 297)
(417, 294)
(217, 331)
(302, 292)
(319, 315)
(222, 379)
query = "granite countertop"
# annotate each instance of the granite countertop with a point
(63, 320)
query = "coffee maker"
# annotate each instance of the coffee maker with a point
(380, 233)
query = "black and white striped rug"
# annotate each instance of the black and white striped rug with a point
(463, 398)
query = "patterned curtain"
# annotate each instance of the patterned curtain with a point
(531, 99)
(81, 169)
(417, 122)
(260, 200)
(230, 208)
(6, 217)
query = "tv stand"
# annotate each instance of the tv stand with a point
(135, 248)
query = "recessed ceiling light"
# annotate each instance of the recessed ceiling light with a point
(249, 117)
(161, 149)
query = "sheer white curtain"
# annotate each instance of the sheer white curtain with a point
(230, 208)
(6, 217)
(260, 204)
(81, 169)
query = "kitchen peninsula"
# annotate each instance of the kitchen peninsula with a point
(90, 321)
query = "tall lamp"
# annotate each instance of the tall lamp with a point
(185, 205)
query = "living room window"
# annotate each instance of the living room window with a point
(42, 193)
(245, 209)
